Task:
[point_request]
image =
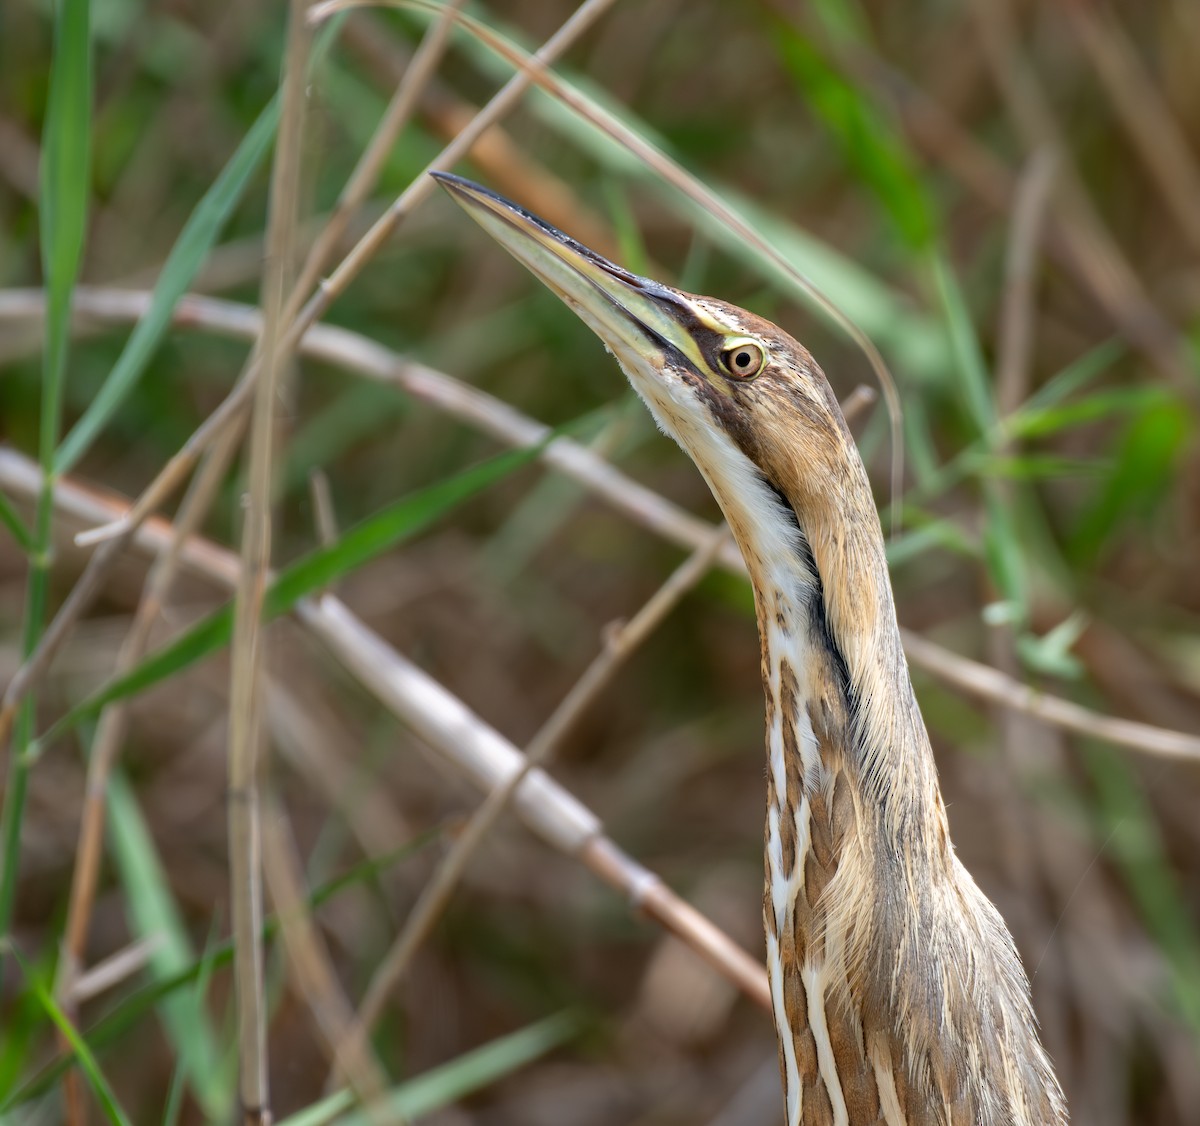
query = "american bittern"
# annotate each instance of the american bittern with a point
(897, 992)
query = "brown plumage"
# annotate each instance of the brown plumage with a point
(898, 995)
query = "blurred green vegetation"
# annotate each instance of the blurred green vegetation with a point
(1049, 524)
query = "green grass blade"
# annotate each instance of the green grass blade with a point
(442, 1086)
(1001, 541)
(1124, 401)
(201, 231)
(63, 191)
(65, 180)
(871, 146)
(87, 1062)
(154, 913)
(1077, 375)
(973, 381)
(315, 571)
(15, 525)
(1145, 468)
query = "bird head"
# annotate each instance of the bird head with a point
(735, 391)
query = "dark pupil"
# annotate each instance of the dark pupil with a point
(742, 360)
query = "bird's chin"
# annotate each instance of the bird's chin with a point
(663, 392)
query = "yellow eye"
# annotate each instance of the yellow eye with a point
(744, 359)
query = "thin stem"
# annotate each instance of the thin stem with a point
(115, 537)
(641, 505)
(346, 1040)
(62, 214)
(617, 648)
(246, 664)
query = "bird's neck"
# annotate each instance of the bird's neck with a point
(895, 985)
(839, 695)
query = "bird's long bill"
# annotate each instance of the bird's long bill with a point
(635, 317)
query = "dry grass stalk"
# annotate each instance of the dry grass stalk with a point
(245, 707)
(642, 505)
(345, 1036)
(107, 742)
(1015, 348)
(462, 739)
(488, 760)
(986, 683)
(115, 537)
(1112, 276)
(1151, 127)
(618, 645)
(111, 971)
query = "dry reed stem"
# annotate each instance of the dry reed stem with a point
(1015, 337)
(1148, 122)
(363, 179)
(986, 683)
(115, 537)
(111, 971)
(106, 746)
(488, 760)
(111, 727)
(462, 739)
(246, 650)
(641, 505)
(345, 1037)
(617, 646)
(1113, 276)
(935, 132)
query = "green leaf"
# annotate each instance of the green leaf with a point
(1032, 467)
(916, 542)
(453, 1081)
(871, 145)
(1039, 423)
(1001, 541)
(315, 571)
(1051, 653)
(87, 1062)
(62, 216)
(15, 525)
(192, 247)
(154, 914)
(63, 193)
(1143, 472)
(1077, 374)
(968, 356)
